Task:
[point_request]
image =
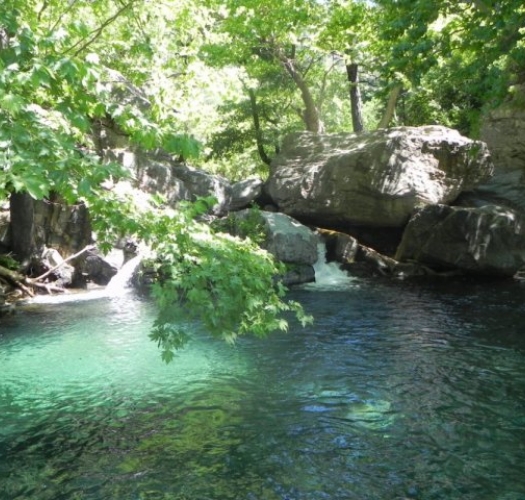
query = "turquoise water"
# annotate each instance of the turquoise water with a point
(397, 391)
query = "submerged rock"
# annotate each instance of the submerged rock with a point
(375, 415)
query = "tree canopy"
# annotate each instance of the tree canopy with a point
(222, 83)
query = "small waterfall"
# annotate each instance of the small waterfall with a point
(118, 286)
(329, 275)
(120, 282)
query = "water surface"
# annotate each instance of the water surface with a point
(397, 391)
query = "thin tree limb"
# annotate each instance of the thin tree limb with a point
(57, 22)
(49, 288)
(96, 32)
(322, 88)
(45, 5)
(71, 257)
(257, 126)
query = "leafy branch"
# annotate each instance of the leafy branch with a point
(95, 34)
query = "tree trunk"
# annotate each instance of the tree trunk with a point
(310, 113)
(257, 125)
(21, 207)
(390, 106)
(356, 104)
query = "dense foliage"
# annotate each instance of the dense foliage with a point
(455, 59)
(225, 283)
(222, 82)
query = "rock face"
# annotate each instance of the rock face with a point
(39, 224)
(286, 239)
(488, 241)
(377, 179)
(245, 192)
(504, 132)
(64, 227)
(160, 172)
(292, 243)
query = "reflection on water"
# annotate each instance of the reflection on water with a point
(396, 391)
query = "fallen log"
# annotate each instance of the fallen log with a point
(27, 285)
(71, 257)
(17, 280)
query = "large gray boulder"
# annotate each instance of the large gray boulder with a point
(376, 179)
(288, 240)
(94, 267)
(292, 243)
(285, 238)
(197, 183)
(488, 241)
(159, 172)
(245, 192)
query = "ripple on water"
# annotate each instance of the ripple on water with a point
(394, 392)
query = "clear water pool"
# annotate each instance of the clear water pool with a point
(397, 391)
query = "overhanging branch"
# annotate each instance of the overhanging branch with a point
(83, 44)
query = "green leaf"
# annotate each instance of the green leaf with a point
(12, 103)
(182, 145)
(36, 188)
(84, 187)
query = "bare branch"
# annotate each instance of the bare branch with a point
(45, 5)
(71, 257)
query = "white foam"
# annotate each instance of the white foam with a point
(329, 275)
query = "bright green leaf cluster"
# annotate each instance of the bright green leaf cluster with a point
(226, 283)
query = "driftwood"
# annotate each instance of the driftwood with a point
(388, 266)
(17, 280)
(27, 285)
(383, 264)
(71, 257)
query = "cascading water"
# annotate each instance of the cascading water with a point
(118, 286)
(329, 275)
(120, 282)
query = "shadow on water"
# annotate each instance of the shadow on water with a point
(397, 391)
